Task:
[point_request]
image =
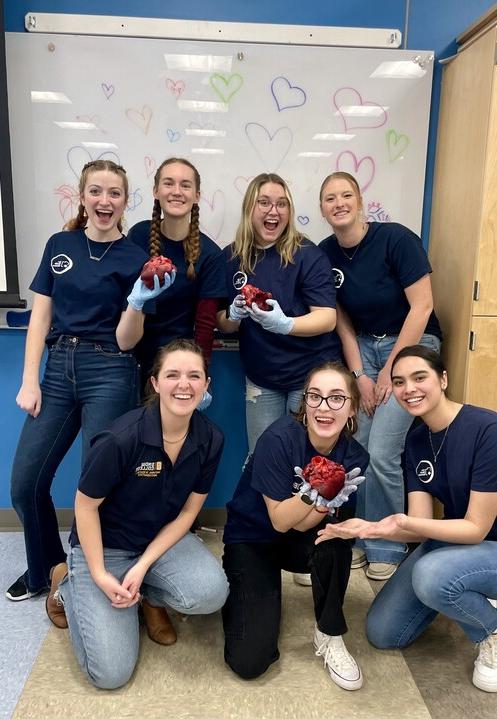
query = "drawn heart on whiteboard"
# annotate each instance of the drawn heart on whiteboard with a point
(140, 118)
(303, 219)
(94, 119)
(134, 200)
(150, 165)
(108, 90)
(202, 139)
(176, 88)
(78, 156)
(69, 201)
(241, 183)
(287, 95)
(348, 96)
(212, 214)
(363, 169)
(226, 87)
(272, 149)
(397, 144)
(173, 135)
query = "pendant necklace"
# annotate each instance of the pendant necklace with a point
(94, 257)
(351, 257)
(435, 454)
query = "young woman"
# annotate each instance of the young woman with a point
(451, 456)
(80, 293)
(385, 303)
(277, 347)
(189, 309)
(143, 484)
(272, 525)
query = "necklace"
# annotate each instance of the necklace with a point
(174, 441)
(351, 257)
(435, 454)
(94, 257)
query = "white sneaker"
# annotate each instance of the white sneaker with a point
(342, 667)
(359, 558)
(303, 579)
(485, 672)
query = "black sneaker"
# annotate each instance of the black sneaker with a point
(19, 591)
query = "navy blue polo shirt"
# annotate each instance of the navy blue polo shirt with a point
(467, 461)
(282, 362)
(172, 314)
(143, 491)
(370, 286)
(269, 471)
(87, 296)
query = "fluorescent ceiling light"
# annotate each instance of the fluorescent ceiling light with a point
(100, 145)
(205, 133)
(199, 63)
(207, 151)
(333, 136)
(361, 111)
(202, 106)
(314, 154)
(47, 96)
(76, 125)
(400, 69)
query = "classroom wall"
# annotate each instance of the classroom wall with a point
(426, 25)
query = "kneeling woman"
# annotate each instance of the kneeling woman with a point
(143, 484)
(272, 526)
(452, 456)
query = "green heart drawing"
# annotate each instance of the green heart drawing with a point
(396, 143)
(224, 87)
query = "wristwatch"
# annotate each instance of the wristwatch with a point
(358, 373)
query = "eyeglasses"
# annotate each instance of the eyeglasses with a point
(266, 205)
(334, 401)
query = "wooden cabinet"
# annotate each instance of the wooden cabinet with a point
(463, 237)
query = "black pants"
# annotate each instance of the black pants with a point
(251, 615)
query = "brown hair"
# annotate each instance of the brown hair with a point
(341, 176)
(352, 389)
(176, 345)
(79, 222)
(244, 245)
(191, 244)
(431, 357)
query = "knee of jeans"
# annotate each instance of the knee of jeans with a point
(212, 596)
(107, 675)
(245, 666)
(378, 630)
(426, 583)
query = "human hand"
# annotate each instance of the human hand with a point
(385, 528)
(350, 529)
(352, 481)
(29, 399)
(366, 387)
(383, 388)
(238, 309)
(141, 293)
(205, 401)
(274, 320)
(134, 579)
(119, 596)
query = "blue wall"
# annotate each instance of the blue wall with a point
(430, 25)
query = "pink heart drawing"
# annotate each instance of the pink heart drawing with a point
(150, 165)
(94, 119)
(287, 95)
(363, 169)
(176, 88)
(241, 183)
(271, 148)
(346, 99)
(212, 214)
(108, 90)
(303, 219)
(397, 144)
(140, 118)
(69, 201)
(77, 156)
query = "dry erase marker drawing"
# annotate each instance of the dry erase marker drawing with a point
(286, 95)
(150, 165)
(203, 132)
(212, 213)
(241, 183)
(377, 213)
(134, 200)
(303, 220)
(356, 113)
(93, 119)
(226, 87)
(175, 87)
(77, 156)
(140, 118)
(271, 148)
(108, 90)
(362, 168)
(173, 135)
(68, 202)
(397, 144)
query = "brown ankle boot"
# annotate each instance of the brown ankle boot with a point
(159, 626)
(53, 605)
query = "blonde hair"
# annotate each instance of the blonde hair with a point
(342, 176)
(244, 245)
(80, 221)
(191, 244)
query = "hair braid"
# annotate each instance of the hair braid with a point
(78, 222)
(191, 244)
(154, 242)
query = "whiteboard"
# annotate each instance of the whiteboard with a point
(233, 109)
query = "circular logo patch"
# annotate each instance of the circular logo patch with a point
(239, 280)
(61, 264)
(338, 277)
(425, 471)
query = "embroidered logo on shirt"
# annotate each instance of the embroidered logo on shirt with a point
(61, 264)
(149, 470)
(425, 471)
(239, 280)
(338, 277)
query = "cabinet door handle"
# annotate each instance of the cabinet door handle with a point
(476, 291)
(472, 341)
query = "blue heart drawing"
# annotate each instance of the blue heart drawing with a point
(303, 219)
(173, 135)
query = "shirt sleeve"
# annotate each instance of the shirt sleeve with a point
(272, 471)
(212, 274)
(407, 256)
(484, 469)
(210, 464)
(43, 280)
(316, 279)
(103, 468)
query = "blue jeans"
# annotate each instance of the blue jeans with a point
(85, 386)
(454, 579)
(264, 406)
(187, 578)
(383, 435)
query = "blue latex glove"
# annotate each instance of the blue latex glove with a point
(205, 401)
(141, 294)
(238, 309)
(352, 481)
(274, 320)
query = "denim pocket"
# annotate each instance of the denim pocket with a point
(111, 351)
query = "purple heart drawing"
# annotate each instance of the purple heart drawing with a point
(241, 184)
(287, 95)
(363, 169)
(347, 98)
(108, 90)
(303, 219)
(173, 135)
(77, 156)
(271, 148)
(134, 200)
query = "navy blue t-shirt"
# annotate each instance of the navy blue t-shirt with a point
(270, 471)
(88, 297)
(143, 491)
(172, 314)
(467, 461)
(370, 286)
(282, 362)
